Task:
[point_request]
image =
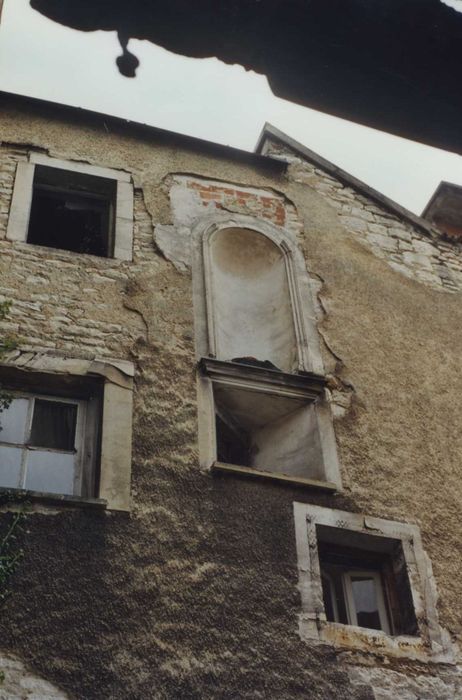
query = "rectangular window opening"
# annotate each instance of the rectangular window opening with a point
(365, 581)
(72, 211)
(267, 432)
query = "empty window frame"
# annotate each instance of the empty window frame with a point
(72, 206)
(48, 444)
(366, 584)
(72, 211)
(265, 422)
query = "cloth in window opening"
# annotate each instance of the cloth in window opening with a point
(53, 425)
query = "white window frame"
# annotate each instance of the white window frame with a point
(433, 643)
(18, 220)
(116, 414)
(349, 597)
(25, 447)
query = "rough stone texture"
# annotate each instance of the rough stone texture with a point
(194, 594)
(435, 262)
(389, 685)
(20, 684)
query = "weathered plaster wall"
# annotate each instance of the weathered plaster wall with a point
(193, 595)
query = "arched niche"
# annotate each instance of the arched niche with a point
(250, 303)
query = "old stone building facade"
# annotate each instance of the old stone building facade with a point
(236, 409)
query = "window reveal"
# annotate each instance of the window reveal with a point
(263, 407)
(266, 420)
(71, 420)
(267, 432)
(385, 560)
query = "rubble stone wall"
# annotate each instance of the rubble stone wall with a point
(407, 249)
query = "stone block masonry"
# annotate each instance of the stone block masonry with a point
(407, 249)
(68, 303)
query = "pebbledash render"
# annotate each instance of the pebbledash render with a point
(236, 410)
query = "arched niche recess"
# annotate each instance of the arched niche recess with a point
(254, 279)
(250, 309)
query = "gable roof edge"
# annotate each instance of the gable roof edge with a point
(103, 121)
(270, 131)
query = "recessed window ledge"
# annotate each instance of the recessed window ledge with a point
(307, 385)
(221, 467)
(55, 499)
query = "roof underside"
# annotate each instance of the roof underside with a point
(390, 64)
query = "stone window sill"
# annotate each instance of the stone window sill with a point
(369, 641)
(221, 467)
(56, 499)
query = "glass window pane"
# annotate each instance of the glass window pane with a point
(53, 425)
(51, 472)
(13, 421)
(365, 600)
(10, 466)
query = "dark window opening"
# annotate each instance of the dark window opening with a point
(53, 425)
(72, 211)
(366, 584)
(267, 432)
(233, 445)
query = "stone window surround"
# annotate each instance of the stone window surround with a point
(116, 424)
(433, 643)
(18, 221)
(309, 353)
(310, 387)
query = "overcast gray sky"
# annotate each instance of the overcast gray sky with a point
(204, 98)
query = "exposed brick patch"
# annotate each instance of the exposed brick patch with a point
(259, 203)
